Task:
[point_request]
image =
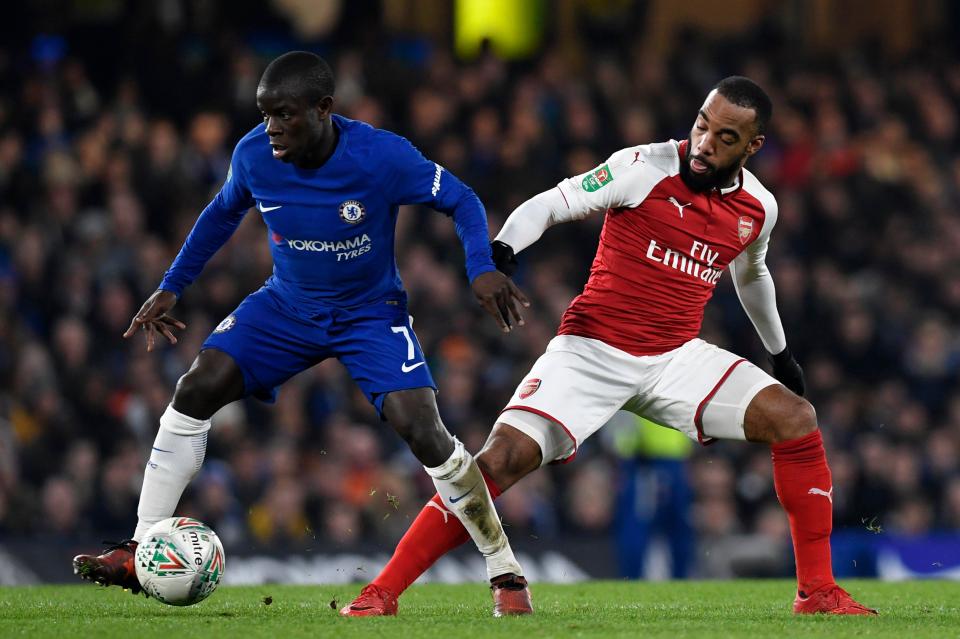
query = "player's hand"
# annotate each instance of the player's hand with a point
(153, 320)
(500, 297)
(788, 372)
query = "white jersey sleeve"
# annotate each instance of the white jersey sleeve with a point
(623, 181)
(752, 279)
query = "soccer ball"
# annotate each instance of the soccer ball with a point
(180, 561)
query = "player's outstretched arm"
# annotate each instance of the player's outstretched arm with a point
(153, 319)
(413, 179)
(529, 220)
(618, 182)
(213, 228)
(755, 288)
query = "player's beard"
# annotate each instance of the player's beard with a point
(715, 177)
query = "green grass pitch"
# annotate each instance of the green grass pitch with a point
(593, 609)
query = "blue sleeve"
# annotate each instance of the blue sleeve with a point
(416, 180)
(213, 228)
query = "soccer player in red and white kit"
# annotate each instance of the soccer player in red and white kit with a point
(677, 215)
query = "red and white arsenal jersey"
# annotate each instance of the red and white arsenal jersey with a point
(662, 249)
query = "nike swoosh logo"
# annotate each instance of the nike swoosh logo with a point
(454, 500)
(267, 209)
(407, 369)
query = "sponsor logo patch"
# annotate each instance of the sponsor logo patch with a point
(529, 387)
(744, 228)
(228, 322)
(352, 212)
(598, 179)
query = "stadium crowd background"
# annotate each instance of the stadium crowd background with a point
(108, 155)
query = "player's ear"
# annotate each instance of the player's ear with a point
(755, 144)
(325, 107)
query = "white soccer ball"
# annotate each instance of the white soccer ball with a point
(180, 561)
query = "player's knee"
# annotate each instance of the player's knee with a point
(415, 418)
(200, 394)
(798, 418)
(193, 394)
(212, 382)
(500, 466)
(508, 456)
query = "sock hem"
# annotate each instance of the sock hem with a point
(459, 459)
(800, 443)
(175, 422)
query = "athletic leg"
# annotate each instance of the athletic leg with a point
(507, 456)
(178, 451)
(252, 351)
(804, 487)
(709, 393)
(577, 381)
(459, 482)
(213, 381)
(378, 346)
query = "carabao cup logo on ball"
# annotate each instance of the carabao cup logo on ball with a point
(352, 212)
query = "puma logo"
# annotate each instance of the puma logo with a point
(677, 204)
(443, 511)
(636, 158)
(824, 493)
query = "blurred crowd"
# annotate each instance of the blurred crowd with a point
(105, 166)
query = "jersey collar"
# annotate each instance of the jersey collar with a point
(733, 187)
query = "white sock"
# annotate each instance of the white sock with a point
(177, 455)
(463, 491)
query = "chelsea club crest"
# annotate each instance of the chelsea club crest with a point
(228, 322)
(352, 212)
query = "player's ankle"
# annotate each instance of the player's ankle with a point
(509, 581)
(503, 562)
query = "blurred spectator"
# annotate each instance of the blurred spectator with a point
(654, 495)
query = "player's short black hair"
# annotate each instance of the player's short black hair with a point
(748, 94)
(301, 73)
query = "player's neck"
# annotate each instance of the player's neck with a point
(323, 149)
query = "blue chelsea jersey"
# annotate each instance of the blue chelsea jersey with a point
(331, 230)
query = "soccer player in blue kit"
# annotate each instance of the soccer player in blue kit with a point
(328, 189)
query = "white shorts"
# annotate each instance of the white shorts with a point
(577, 385)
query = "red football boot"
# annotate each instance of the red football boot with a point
(112, 568)
(373, 601)
(511, 596)
(830, 600)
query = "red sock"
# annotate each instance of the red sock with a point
(435, 532)
(805, 489)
